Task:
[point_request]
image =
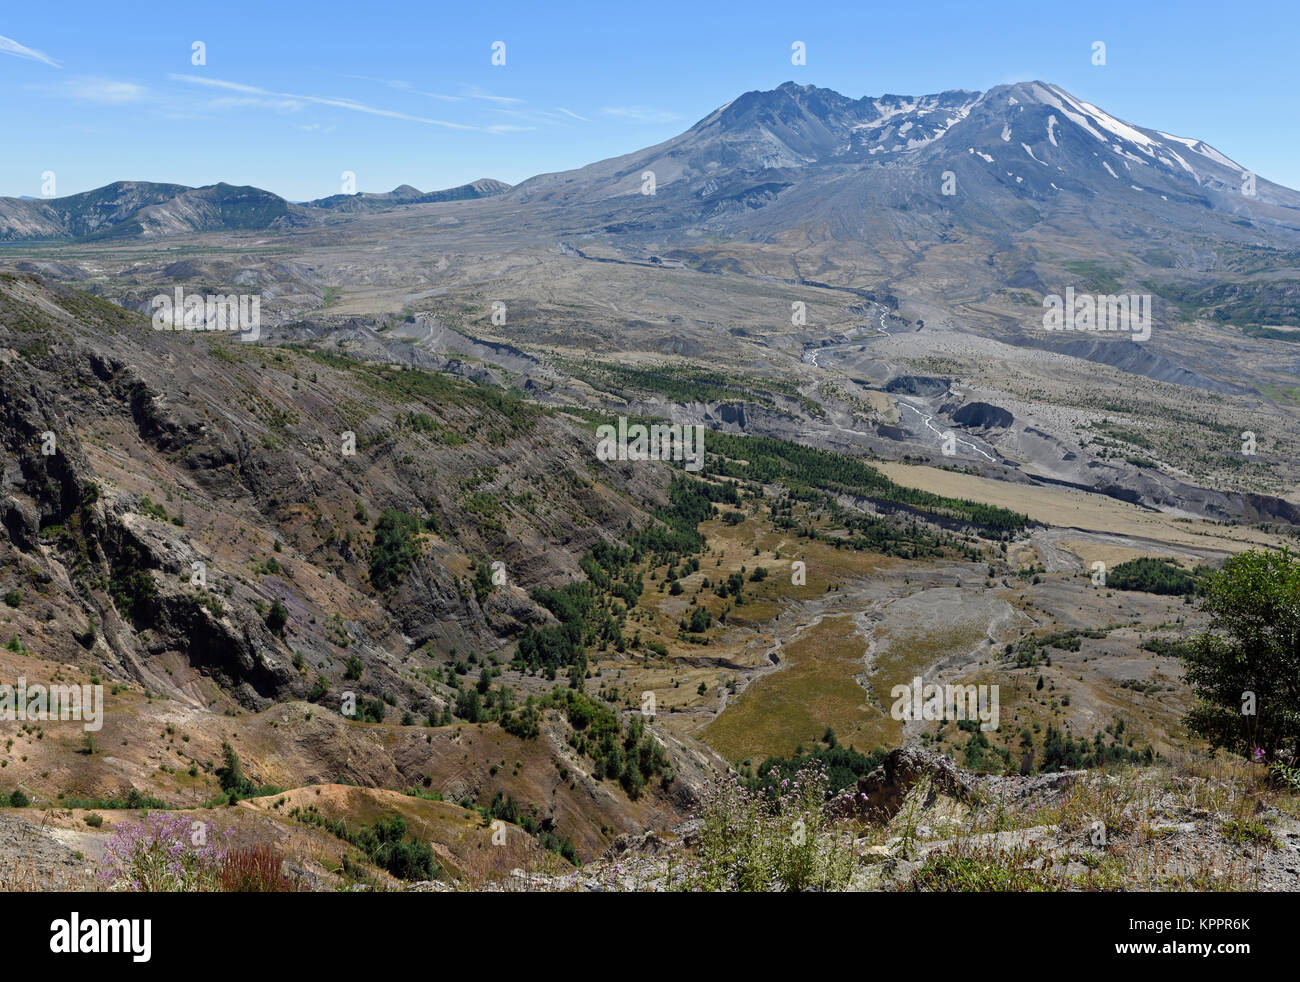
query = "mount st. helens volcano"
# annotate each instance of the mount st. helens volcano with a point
(801, 157)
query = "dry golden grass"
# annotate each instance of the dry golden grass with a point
(1068, 508)
(813, 689)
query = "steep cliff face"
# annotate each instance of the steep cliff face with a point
(238, 541)
(113, 582)
(191, 514)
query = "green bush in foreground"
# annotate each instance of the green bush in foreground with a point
(1245, 669)
(752, 841)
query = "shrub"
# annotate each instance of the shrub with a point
(523, 724)
(482, 581)
(699, 621)
(382, 843)
(231, 773)
(1247, 830)
(394, 549)
(133, 800)
(843, 767)
(277, 617)
(131, 585)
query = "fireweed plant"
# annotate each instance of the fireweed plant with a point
(163, 853)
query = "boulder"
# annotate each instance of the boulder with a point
(880, 794)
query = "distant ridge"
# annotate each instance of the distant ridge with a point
(142, 209)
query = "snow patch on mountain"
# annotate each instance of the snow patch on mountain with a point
(1204, 149)
(1078, 118)
(1183, 164)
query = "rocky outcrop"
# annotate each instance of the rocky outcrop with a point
(647, 843)
(918, 385)
(880, 794)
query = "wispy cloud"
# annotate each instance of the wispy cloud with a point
(467, 91)
(349, 104)
(640, 114)
(255, 102)
(441, 97)
(8, 46)
(539, 116)
(568, 112)
(392, 82)
(405, 86)
(102, 91)
(474, 92)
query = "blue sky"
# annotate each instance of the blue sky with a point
(293, 94)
